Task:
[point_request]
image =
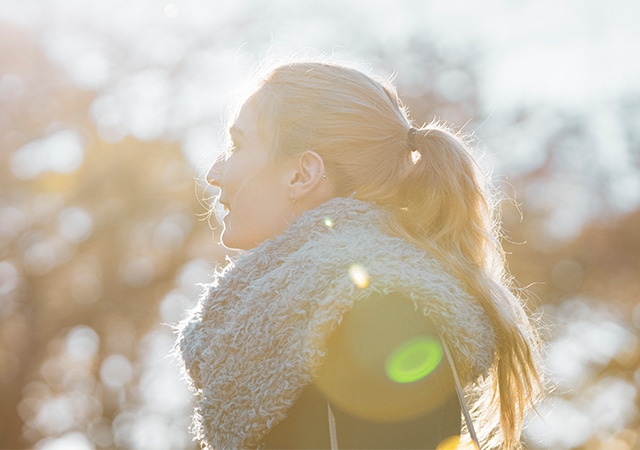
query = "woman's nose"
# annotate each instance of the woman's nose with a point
(214, 175)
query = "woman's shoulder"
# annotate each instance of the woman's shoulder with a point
(386, 380)
(386, 362)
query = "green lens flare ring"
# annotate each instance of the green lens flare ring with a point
(414, 360)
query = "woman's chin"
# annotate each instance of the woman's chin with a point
(232, 242)
(227, 240)
(239, 238)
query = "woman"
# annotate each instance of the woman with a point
(371, 250)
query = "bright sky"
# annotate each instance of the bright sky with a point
(572, 53)
(167, 68)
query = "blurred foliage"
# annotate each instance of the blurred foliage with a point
(102, 246)
(87, 256)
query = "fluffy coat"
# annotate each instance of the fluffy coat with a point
(260, 331)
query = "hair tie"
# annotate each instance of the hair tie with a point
(411, 139)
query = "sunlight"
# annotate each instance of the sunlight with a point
(359, 276)
(9, 277)
(82, 343)
(40, 257)
(454, 443)
(116, 371)
(170, 10)
(61, 152)
(75, 224)
(73, 440)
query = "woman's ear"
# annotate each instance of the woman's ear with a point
(309, 178)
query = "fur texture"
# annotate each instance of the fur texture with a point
(259, 333)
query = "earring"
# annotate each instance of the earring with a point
(292, 197)
(324, 175)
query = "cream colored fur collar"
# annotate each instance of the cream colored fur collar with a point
(259, 333)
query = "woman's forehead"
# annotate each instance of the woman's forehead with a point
(249, 123)
(244, 122)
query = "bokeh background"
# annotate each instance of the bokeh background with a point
(111, 110)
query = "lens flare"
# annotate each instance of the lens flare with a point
(414, 360)
(359, 276)
(454, 443)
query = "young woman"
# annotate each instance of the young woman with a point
(372, 279)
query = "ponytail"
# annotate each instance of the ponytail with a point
(446, 210)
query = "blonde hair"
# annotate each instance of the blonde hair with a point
(439, 198)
